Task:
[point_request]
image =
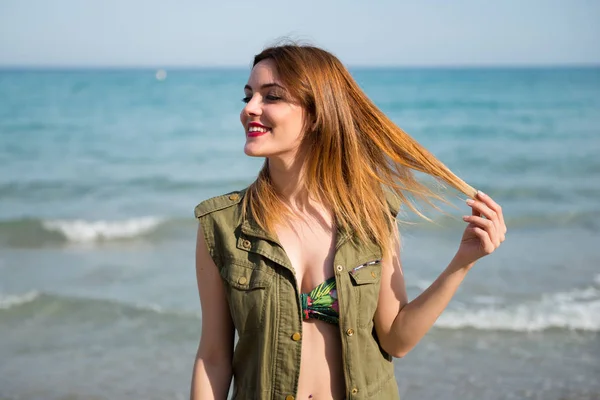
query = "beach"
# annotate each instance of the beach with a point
(101, 171)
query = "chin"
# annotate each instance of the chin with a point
(254, 151)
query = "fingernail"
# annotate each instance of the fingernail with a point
(470, 201)
(465, 217)
(479, 192)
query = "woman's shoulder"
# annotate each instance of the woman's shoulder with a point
(218, 203)
(394, 202)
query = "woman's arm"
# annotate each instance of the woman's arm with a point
(401, 324)
(212, 368)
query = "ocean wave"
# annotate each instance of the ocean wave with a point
(9, 301)
(66, 189)
(63, 305)
(573, 310)
(90, 231)
(35, 232)
(573, 219)
(577, 310)
(29, 232)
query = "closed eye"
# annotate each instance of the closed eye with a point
(269, 97)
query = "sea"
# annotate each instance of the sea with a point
(100, 170)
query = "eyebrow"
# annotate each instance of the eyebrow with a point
(265, 86)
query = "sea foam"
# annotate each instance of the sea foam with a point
(9, 301)
(574, 310)
(90, 231)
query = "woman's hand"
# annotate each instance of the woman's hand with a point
(485, 232)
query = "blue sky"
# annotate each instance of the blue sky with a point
(228, 33)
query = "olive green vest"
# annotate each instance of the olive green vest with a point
(265, 306)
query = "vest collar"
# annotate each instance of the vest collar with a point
(250, 227)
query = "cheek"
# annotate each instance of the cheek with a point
(299, 127)
(294, 125)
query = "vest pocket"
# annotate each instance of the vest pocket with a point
(368, 272)
(365, 281)
(247, 294)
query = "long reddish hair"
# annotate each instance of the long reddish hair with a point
(352, 151)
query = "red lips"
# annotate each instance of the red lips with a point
(257, 133)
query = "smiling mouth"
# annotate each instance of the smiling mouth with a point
(254, 131)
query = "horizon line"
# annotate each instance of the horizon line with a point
(247, 67)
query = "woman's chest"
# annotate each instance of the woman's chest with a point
(310, 250)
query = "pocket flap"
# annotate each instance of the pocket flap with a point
(369, 272)
(245, 277)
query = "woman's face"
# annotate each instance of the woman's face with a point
(273, 122)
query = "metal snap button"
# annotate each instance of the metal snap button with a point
(289, 397)
(296, 336)
(234, 197)
(339, 268)
(242, 280)
(246, 244)
(373, 274)
(354, 390)
(350, 332)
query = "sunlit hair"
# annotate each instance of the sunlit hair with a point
(352, 151)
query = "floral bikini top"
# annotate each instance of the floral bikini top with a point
(322, 303)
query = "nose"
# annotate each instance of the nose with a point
(253, 107)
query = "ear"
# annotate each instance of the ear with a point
(311, 126)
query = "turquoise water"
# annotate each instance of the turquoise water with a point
(101, 170)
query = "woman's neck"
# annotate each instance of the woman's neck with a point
(288, 178)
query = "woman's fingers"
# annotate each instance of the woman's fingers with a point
(480, 210)
(491, 210)
(487, 226)
(492, 205)
(483, 209)
(486, 244)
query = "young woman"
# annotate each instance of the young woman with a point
(304, 264)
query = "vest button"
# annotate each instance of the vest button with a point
(354, 390)
(350, 332)
(289, 397)
(339, 268)
(246, 244)
(242, 280)
(234, 197)
(296, 336)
